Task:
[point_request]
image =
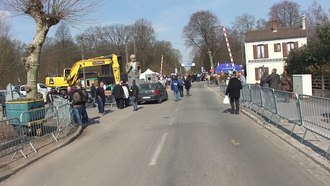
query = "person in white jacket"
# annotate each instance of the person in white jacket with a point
(126, 94)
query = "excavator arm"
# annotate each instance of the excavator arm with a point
(98, 61)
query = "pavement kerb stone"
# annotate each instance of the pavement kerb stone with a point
(6, 172)
(288, 139)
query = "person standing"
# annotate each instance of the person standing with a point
(187, 85)
(93, 94)
(118, 93)
(242, 78)
(274, 80)
(175, 88)
(77, 102)
(134, 95)
(126, 94)
(100, 97)
(84, 99)
(286, 84)
(263, 80)
(180, 83)
(234, 91)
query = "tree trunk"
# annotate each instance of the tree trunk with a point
(33, 60)
(211, 59)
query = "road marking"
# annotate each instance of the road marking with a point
(235, 143)
(213, 91)
(154, 158)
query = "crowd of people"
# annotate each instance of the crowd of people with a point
(273, 80)
(78, 97)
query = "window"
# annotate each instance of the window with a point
(277, 47)
(260, 51)
(290, 46)
(287, 47)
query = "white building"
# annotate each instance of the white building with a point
(268, 49)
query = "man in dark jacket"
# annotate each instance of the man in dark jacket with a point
(274, 80)
(234, 90)
(134, 95)
(100, 97)
(93, 94)
(187, 85)
(118, 93)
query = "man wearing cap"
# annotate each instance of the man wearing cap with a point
(133, 71)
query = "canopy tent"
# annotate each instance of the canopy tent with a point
(148, 73)
(225, 67)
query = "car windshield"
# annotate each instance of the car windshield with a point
(144, 87)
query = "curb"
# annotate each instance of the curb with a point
(69, 139)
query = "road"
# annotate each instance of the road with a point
(190, 142)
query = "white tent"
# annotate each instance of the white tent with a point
(148, 73)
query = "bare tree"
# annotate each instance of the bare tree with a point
(287, 13)
(118, 35)
(46, 13)
(243, 24)
(143, 35)
(202, 32)
(316, 16)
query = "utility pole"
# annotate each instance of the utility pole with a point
(161, 66)
(82, 58)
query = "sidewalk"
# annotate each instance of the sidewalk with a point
(45, 146)
(312, 148)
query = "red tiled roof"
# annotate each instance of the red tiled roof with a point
(268, 35)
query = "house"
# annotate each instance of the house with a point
(268, 49)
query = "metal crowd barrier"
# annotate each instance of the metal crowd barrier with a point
(39, 123)
(12, 138)
(256, 97)
(308, 112)
(246, 96)
(32, 126)
(315, 113)
(288, 107)
(268, 101)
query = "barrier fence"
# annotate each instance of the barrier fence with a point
(310, 113)
(33, 125)
(12, 138)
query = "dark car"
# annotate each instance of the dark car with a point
(152, 92)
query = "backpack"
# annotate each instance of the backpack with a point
(76, 97)
(84, 95)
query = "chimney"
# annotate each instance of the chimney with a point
(303, 22)
(274, 25)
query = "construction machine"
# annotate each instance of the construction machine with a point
(70, 76)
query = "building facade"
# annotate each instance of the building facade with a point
(268, 49)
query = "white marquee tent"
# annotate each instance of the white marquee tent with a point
(148, 73)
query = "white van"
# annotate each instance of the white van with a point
(41, 88)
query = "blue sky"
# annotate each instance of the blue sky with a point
(167, 16)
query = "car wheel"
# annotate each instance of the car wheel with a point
(160, 100)
(166, 97)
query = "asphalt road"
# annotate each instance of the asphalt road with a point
(190, 142)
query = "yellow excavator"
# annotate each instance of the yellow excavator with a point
(71, 75)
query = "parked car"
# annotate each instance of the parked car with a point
(152, 92)
(41, 88)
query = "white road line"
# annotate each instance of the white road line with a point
(154, 158)
(213, 91)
